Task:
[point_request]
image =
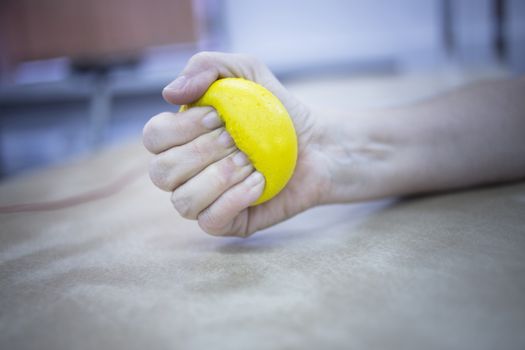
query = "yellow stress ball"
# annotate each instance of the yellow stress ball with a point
(260, 126)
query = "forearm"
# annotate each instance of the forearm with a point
(469, 137)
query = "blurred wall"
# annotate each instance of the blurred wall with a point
(290, 33)
(409, 33)
(516, 33)
(92, 30)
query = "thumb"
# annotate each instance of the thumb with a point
(200, 72)
(189, 86)
(206, 67)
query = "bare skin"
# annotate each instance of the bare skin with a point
(473, 136)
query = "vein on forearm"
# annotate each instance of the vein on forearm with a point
(471, 136)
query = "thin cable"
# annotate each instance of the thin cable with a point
(85, 197)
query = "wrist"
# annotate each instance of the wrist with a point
(366, 158)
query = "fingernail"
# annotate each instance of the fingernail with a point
(225, 139)
(177, 84)
(212, 120)
(254, 179)
(240, 159)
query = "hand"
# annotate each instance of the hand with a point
(210, 179)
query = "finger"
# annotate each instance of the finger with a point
(206, 67)
(167, 130)
(220, 217)
(187, 89)
(170, 169)
(203, 189)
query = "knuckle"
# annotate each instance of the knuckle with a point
(198, 151)
(151, 131)
(222, 179)
(184, 131)
(239, 227)
(148, 136)
(153, 125)
(210, 224)
(154, 172)
(226, 172)
(158, 173)
(183, 205)
(230, 199)
(223, 172)
(159, 118)
(202, 57)
(206, 147)
(178, 129)
(216, 227)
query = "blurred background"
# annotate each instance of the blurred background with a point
(79, 76)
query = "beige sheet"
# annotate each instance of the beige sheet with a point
(126, 272)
